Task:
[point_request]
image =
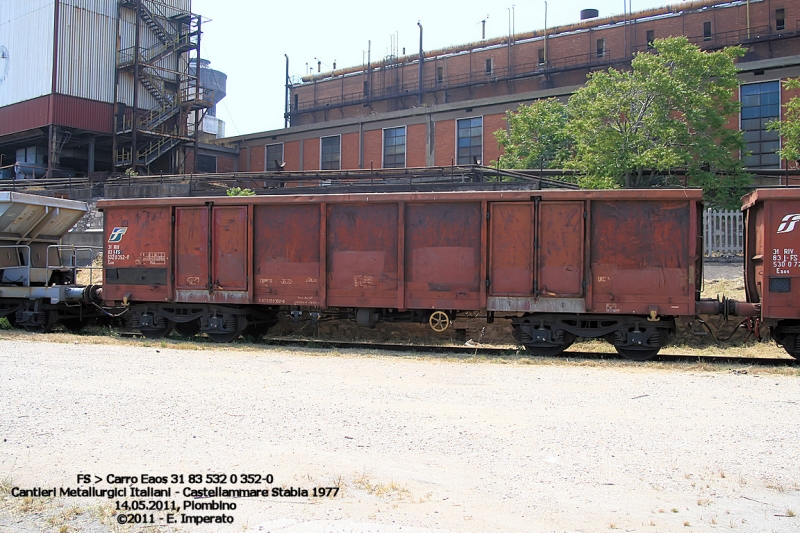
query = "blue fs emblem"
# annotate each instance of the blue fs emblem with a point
(116, 234)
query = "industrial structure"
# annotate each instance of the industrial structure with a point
(442, 107)
(99, 86)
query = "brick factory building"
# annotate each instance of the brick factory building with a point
(396, 113)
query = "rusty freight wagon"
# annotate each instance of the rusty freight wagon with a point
(558, 264)
(772, 261)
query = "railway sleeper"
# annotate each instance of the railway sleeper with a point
(634, 337)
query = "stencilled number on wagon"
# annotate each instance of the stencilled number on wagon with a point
(265, 281)
(286, 281)
(312, 280)
(612, 308)
(364, 281)
(603, 279)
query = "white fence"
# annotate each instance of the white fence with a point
(723, 233)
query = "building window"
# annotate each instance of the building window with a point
(470, 141)
(760, 105)
(707, 30)
(541, 56)
(274, 157)
(651, 36)
(439, 74)
(394, 147)
(780, 20)
(206, 164)
(489, 67)
(330, 152)
(296, 103)
(601, 47)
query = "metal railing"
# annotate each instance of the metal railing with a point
(516, 71)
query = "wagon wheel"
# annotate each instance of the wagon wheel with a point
(541, 350)
(188, 329)
(159, 332)
(259, 328)
(225, 336)
(791, 343)
(73, 325)
(51, 317)
(637, 354)
(439, 321)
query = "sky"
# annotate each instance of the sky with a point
(247, 39)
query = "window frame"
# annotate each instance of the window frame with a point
(650, 36)
(771, 137)
(267, 159)
(471, 162)
(405, 146)
(707, 35)
(322, 153)
(780, 23)
(601, 50)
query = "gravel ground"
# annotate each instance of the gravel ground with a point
(721, 269)
(415, 445)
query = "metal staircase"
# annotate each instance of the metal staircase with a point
(152, 131)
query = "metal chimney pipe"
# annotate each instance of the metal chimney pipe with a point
(421, 59)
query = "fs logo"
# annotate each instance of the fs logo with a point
(788, 223)
(116, 234)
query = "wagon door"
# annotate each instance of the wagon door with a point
(536, 254)
(211, 254)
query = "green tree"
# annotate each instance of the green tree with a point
(789, 127)
(238, 191)
(630, 128)
(536, 136)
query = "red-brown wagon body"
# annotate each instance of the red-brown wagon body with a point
(532, 256)
(772, 261)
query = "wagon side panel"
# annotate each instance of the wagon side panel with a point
(138, 258)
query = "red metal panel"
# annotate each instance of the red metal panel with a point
(83, 114)
(442, 255)
(640, 257)
(362, 255)
(191, 248)
(24, 115)
(560, 264)
(511, 256)
(780, 271)
(138, 253)
(287, 249)
(229, 256)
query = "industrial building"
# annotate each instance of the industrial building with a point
(91, 87)
(442, 107)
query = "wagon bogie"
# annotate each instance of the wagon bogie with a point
(634, 337)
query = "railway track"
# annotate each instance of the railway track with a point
(488, 351)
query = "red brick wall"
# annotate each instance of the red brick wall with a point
(349, 147)
(445, 142)
(311, 153)
(491, 149)
(373, 148)
(415, 145)
(257, 155)
(291, 155)
(226, 163)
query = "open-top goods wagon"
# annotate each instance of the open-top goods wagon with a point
(622, 265)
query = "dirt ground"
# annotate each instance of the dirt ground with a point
(414, 444)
